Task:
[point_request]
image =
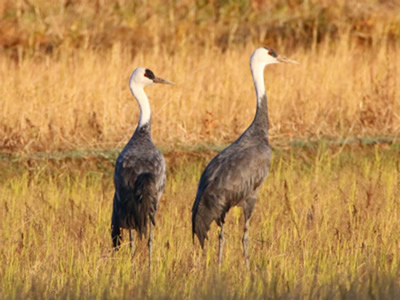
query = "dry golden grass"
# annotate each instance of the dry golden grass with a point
(81, 99)
(332, 234)
(32, 26)
(64, 69)
(65, 66)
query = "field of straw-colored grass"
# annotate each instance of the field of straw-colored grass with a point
(64, 69)
(326, 224)
(332, 233)
(82, 99)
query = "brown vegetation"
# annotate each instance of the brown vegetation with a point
(326, 222)
(65, 66)
(82, 99)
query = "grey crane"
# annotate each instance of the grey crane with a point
(233, 177)
(139, 176)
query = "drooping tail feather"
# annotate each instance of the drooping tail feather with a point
(205, 210)
(201, 221)
(144, 202)
(200, 228)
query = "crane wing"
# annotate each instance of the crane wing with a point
(139, 182)
(232, 176)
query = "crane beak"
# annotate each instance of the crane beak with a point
(286, 60)
(160, 80)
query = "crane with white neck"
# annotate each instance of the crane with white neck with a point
(139, 176)
(234, 176)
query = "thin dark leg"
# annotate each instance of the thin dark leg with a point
(221, 244)
(131, 243)
(248, 207)
(245, 242)
(116, 236)
(150, 245)
(115, 229)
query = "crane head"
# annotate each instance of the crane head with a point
(145, 77)
(266, 56)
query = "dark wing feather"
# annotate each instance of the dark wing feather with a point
(233, 175)
(144, 202)
(139, 182)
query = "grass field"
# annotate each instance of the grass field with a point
(78, 101)
(77, 96)
(332, 233)
(326, 224)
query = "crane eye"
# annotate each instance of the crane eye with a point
(149, 74)
(272, 53)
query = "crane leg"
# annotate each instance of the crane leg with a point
(115, 229)
(131, 243)
(245, 242)
(221, 244)
(115, 233)
(150, 244)
(248, 207)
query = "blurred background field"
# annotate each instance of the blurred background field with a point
(66, 112)
(64, 68)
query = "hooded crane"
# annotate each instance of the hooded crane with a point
(233, 177)
(139, 176)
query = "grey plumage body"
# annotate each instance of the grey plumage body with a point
(234, 176)
(139, 180)
(139, 176)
